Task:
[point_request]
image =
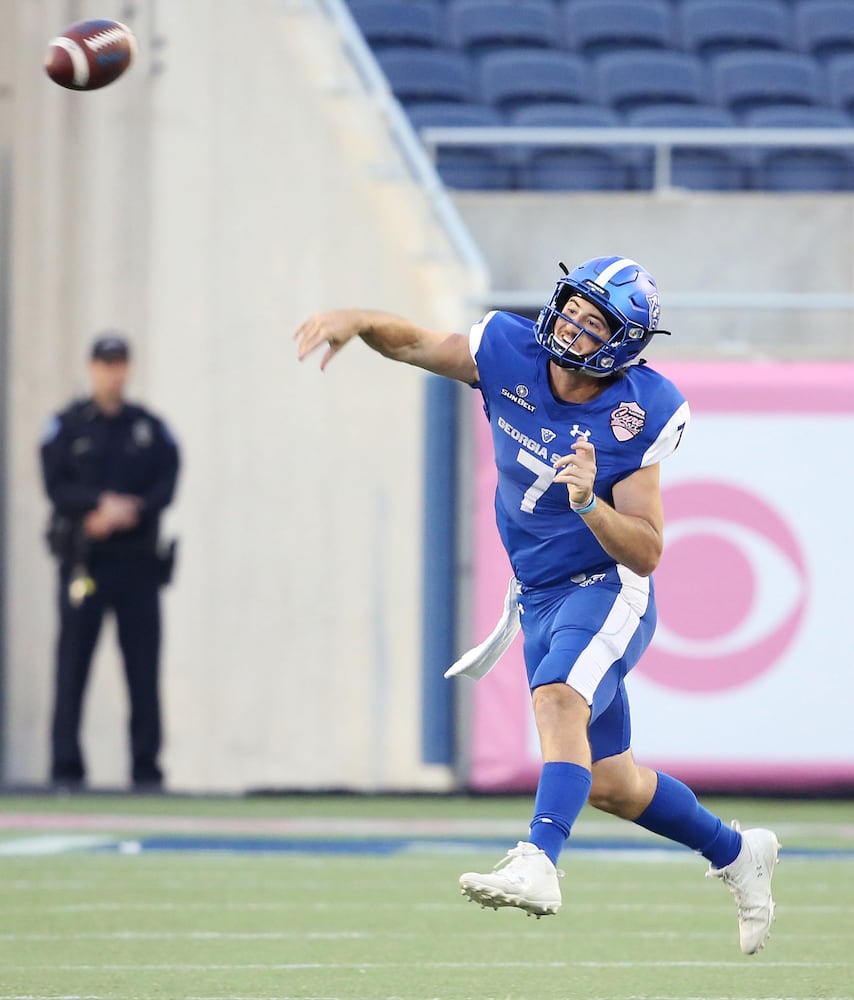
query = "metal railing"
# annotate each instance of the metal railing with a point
(527, 300)
(419, 164)
(661, 140)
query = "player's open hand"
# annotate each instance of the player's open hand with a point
(578, 471)
(330, 329)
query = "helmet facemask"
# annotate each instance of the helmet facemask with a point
(563, 349)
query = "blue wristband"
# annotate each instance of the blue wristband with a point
(587, 508)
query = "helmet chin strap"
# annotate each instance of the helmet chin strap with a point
(579, 367)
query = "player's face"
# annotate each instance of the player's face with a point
(581, 327)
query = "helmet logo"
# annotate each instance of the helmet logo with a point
(627, 421)
(654, 310)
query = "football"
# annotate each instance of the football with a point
(90, 54)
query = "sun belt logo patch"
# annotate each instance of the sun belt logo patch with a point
(519, 397)
(627, 421)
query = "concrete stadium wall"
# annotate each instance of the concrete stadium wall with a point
(232, 183)
(710, 246)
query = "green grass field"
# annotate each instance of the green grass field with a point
(128, 898)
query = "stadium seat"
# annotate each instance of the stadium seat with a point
(785, 116)
(594, 27)
(705, 168)
(798, 168)
(627, 80)
(481, 26)
(681, 116)
(565, 115)
(745, 80)
(824, 28)
(711, 27)
(587, 167)
(840, 80)
(386, 23)
(418, 74)
(514, 77)
(573, 170)
(805, 170)
(468, 167)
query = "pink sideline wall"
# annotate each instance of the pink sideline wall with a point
(728, 645)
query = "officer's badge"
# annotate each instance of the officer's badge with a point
(143, 435)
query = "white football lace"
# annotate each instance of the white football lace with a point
(104, 39)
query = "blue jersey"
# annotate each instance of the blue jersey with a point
(636, 421)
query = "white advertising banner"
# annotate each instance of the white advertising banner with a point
(750, 678)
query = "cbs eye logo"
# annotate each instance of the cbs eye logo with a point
(731, 589)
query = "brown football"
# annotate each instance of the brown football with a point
(90, 54)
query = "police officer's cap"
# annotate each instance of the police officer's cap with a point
(110, 347)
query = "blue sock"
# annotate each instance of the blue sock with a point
(561, 793)
(676, 814)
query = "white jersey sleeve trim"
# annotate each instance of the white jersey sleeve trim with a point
(668, 440)
(476, 333)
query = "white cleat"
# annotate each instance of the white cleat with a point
(748, 878)
(525, 878)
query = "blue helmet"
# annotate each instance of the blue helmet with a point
(625, 293)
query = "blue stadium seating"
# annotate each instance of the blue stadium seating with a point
(627, 80)
(824, 28)
(745, 80)
(467, 167)
(418, 74)
(592, 168)
(840, 79)
(783, 168)
(594, 27)
(387, 23)
(514, 77)
(786, 116)
(804, 170)
(574, 169)
(711, 27)
(480, 26)
(654, 63)
(565, 115)
(709, 168)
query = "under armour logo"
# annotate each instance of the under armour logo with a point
(577, 432)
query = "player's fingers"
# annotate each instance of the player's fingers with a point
(304, 329)
(309, 337)
(568, 474)
(330, 354)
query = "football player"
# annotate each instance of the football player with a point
(580, 425)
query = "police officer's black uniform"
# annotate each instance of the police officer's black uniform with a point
(85, 453)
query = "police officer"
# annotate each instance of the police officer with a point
(109, 469)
